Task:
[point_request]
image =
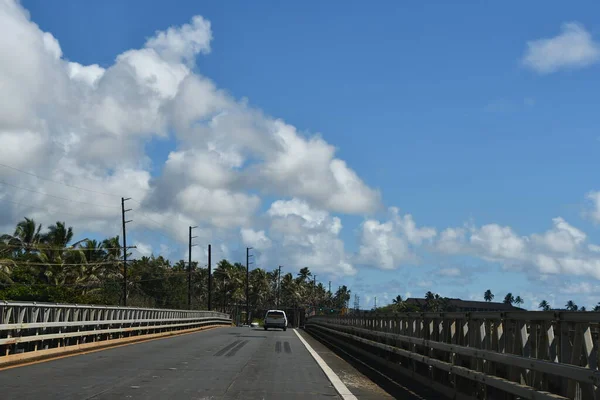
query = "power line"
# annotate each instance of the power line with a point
(57, 197)
(55, 181)
(80, 188)
(166, 235)
(38, 247)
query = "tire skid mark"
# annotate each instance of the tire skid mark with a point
(236, 349)
(226, 348)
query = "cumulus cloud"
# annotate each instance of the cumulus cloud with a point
(183, 43)
(74, 141)
(85, 126)
(255, 239)
(308, 237)
(593, 213)
(572, 48)
(144, 249)
(560, 250)
(387, 245)
(579, 288)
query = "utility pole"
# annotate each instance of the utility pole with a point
(123, 211)
(224, 293)
(248, 284)
(209, 280)
(330, 288)
(314, 293)
(278, 286)
(190, 267)
(376, 302)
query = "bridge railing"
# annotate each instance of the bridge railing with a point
(512, 355)
(51, 328)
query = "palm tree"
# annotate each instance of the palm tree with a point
(571, 306)
(488, 296)
(509, 299)
(519, 300)
(304, 274)
(18, 246)
(544, 306)
(583, 309)
(398, 300)
(429, 300)
(291, 292)
(93, 272)
(58, 235)
(26, 236)
(597, 307)
(260, 290)
(341, 297)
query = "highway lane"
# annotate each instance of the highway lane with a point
(225, 363)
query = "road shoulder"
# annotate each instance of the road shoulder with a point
(361, 386)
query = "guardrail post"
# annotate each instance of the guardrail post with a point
(565, 352)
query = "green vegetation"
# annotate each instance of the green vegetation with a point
(48, 266)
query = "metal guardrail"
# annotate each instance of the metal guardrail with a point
(33, 327)
(483, 355)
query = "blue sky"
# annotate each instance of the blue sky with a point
(430, 104)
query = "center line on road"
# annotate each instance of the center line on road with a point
(339, 386)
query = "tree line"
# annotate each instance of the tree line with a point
(49, 266)
(543, 305)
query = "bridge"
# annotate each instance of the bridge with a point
(67, 351)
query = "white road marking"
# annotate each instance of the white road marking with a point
(339, 386)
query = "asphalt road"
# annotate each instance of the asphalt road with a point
(225, 363)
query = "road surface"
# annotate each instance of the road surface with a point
(224, 363)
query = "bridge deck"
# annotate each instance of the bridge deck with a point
(226, 363)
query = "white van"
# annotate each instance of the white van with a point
(276, 319)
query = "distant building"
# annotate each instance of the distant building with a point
(459, 305)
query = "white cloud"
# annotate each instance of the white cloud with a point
(564, 238)
(451, 240)
(184, 42)
(256, 239)
(307, 168)
(579, 288)
(88, 127)
(594, 212)
(143, 248)
(308, 238)
(593, 247)
(390, 244)
(572, 48)
(88, 74)
(498, 242)
(560, 250)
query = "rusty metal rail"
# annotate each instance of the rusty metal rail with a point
(38, 327)
(483, 355)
